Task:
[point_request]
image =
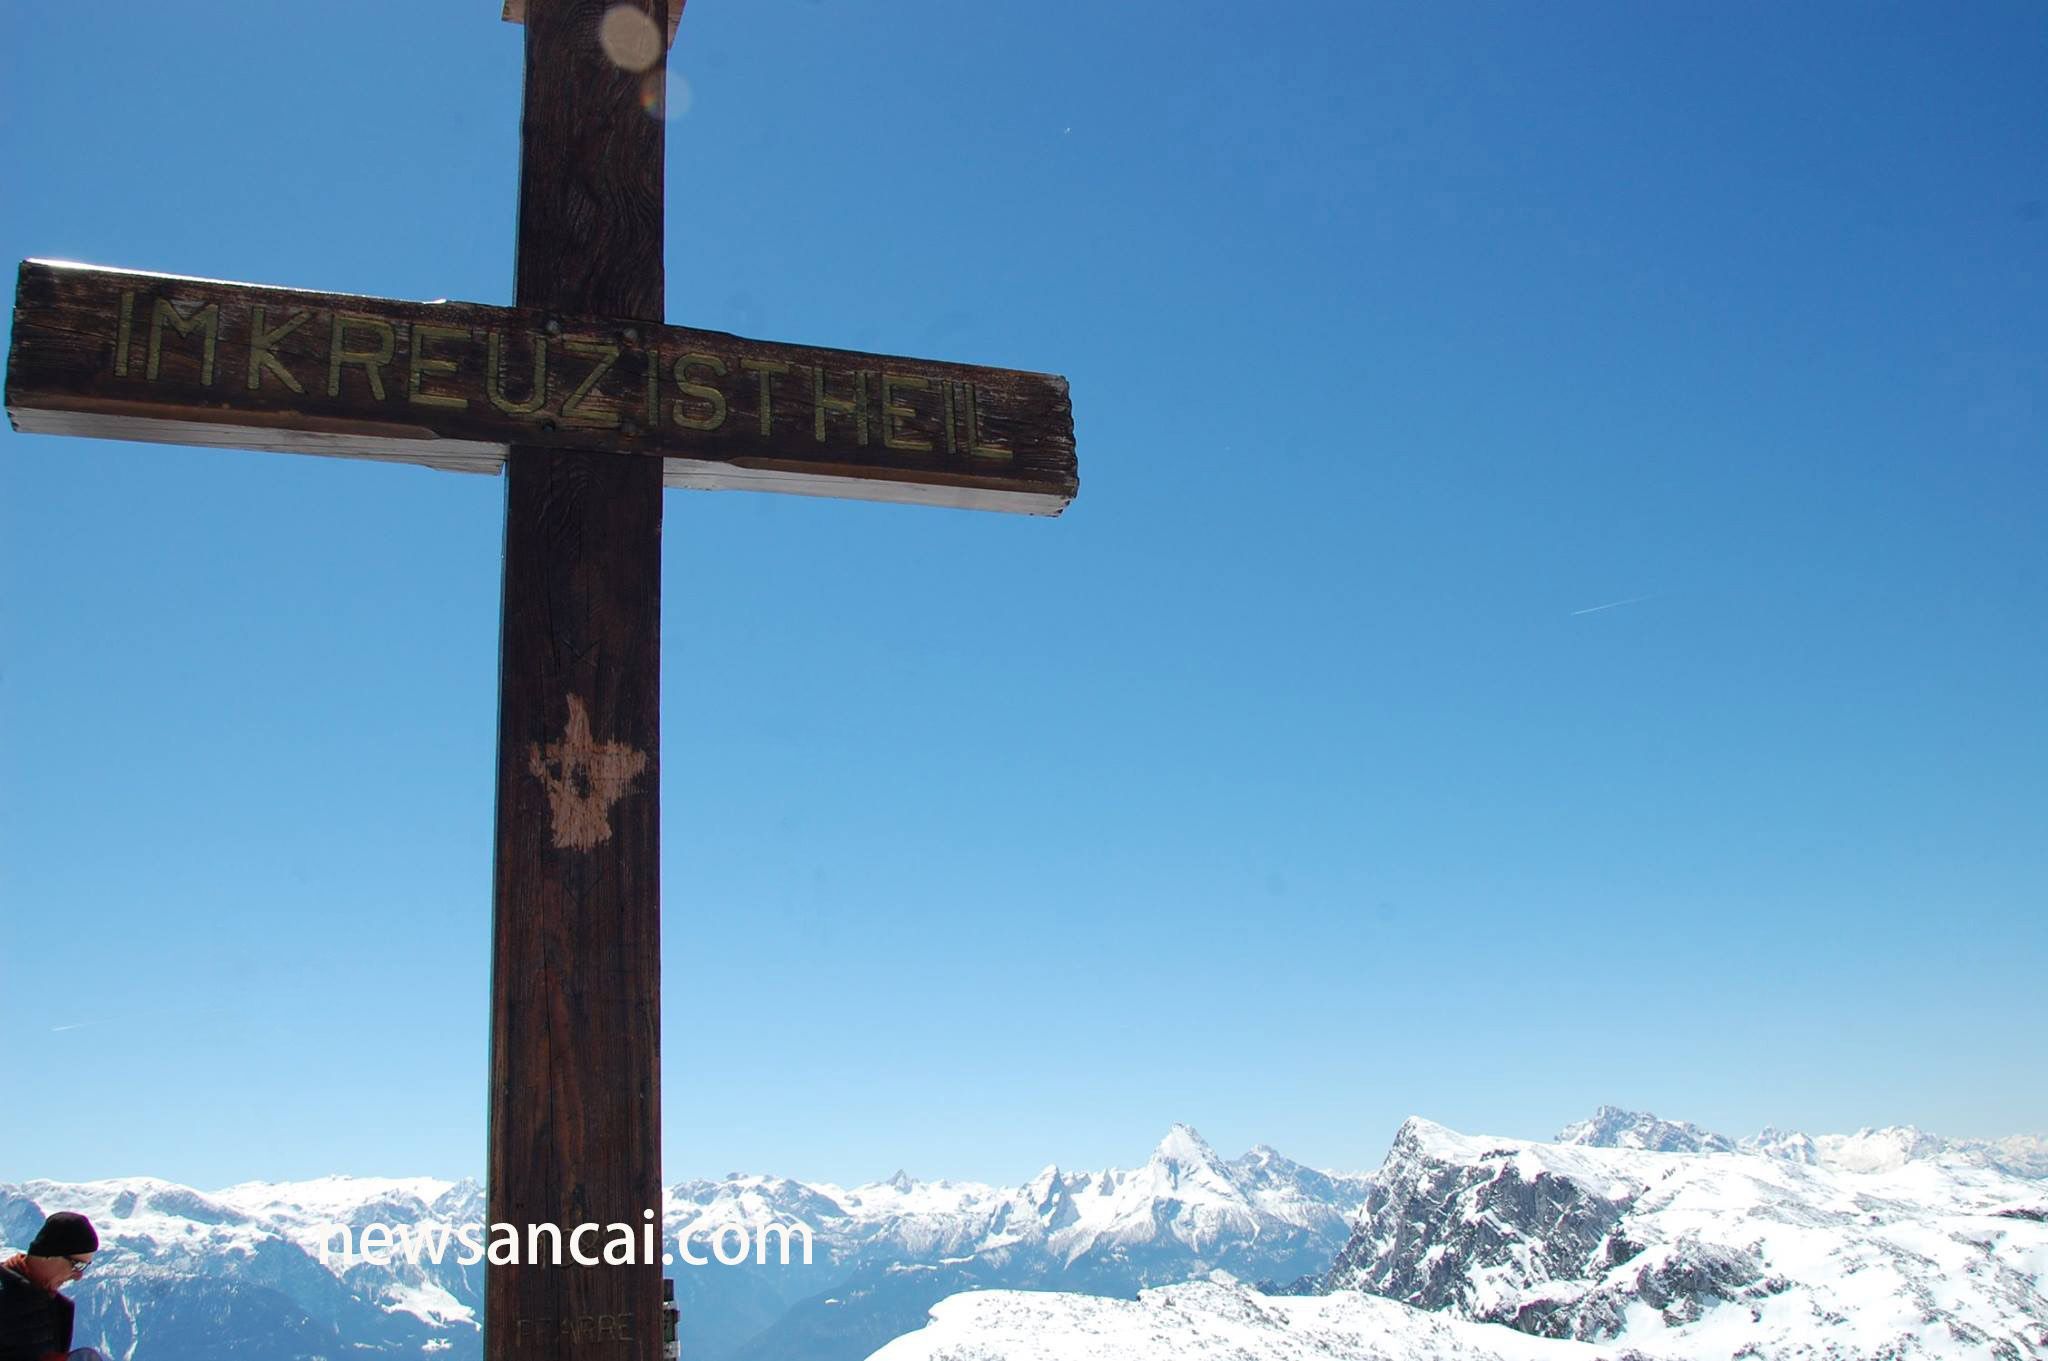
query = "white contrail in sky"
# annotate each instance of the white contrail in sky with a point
(1612, 604)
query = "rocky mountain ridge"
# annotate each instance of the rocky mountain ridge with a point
(1709, 1252)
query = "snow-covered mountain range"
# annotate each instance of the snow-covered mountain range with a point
(189, 1275)
(1627, 1236)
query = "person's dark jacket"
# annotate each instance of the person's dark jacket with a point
(35, 1324)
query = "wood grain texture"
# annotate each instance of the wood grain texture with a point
(514, 12)
(122, 355)
(575, 1092)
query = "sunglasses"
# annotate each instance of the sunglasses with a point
(77, 1267)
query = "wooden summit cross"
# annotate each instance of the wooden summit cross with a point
(590, 405)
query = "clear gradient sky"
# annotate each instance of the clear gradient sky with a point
(1293, 782)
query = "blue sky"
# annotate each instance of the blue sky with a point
(1289, 784)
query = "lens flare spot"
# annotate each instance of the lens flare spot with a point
(665, 94)
(629, 38)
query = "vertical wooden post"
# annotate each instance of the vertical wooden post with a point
(575, 1108)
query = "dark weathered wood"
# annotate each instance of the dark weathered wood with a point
(120, 355)
(515, 13)
(575, 1115)
(575, 1098)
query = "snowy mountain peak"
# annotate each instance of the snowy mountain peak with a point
(1047, 1192)
(1418, 1136)
(1613, 1127)
(1182, 1145)
(1184, 1167)
(901, 1181)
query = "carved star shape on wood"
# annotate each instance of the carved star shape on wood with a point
(584, 778)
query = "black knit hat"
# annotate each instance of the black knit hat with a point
(64, 1234)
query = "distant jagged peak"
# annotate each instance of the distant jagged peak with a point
(337, 1197)
(734, 1185)
(1891, 1147)
(1261, 1165)
(1885, 1149)
(901, 1180)
(1267, 1162)
(1264, 1164)
(1183, 1145)
(1183, 1168)
(1613, 1127)
(1050, 1196)
(1787, 1145)
(2021, 1155)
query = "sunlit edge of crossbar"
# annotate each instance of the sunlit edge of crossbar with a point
(158, 274)
(480, 456)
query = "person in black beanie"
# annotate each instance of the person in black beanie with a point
(35, 1320)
